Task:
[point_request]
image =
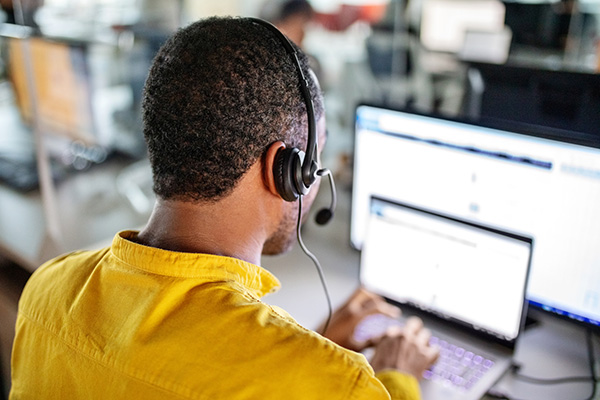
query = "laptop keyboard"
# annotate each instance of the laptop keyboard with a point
(456, 365)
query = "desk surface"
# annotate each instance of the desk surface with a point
(91, 211)
(551, 349)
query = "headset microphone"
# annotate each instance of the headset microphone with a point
(324, 215)
(294, 170)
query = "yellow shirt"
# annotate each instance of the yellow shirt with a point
(135, 322)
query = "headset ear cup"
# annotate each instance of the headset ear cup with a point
(286, 163)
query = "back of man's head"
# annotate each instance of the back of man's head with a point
(219, 92)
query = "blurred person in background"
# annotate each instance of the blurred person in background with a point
(290, 16)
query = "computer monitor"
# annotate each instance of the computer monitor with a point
(538, 24)
(445, 23)
(59, 78)
(560, 99)
(540, 187)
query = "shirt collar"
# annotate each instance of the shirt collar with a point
(209, 267)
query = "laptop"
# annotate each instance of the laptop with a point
(466, 281)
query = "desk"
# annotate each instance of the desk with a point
(91, 211)
(551, 349)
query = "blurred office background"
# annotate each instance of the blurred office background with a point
(73, 168)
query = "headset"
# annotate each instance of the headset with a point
(294, 170)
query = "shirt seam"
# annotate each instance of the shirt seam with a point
(126, 263)
(272, 283)
(117, 253)
(352, 391)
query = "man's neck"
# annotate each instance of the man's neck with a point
(235, 226)
(192, 228)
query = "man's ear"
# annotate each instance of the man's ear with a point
(268, 163)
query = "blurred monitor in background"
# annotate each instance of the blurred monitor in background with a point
(542, 24)
(51, 87)
(564, 100)
(492, 47)
(445, 23)
(60, 83)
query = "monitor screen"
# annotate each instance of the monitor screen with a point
(456, 270)
(542, 188)
(560, 99)
(444, 23)
(61, 83)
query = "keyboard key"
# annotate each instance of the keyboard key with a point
(373, 326)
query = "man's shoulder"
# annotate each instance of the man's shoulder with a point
(55, 275)
(265, 350)
(69, 262)
(303, 348)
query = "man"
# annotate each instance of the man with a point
(174, 311)
(290, 16)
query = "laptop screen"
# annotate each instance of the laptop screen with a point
(457, 270)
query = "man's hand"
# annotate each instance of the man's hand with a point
(405, 349)
(344, 320)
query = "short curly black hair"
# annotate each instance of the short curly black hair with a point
(218, 93)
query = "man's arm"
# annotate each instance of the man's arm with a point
(401, 354)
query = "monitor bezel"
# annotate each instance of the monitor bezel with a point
(514, 127)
